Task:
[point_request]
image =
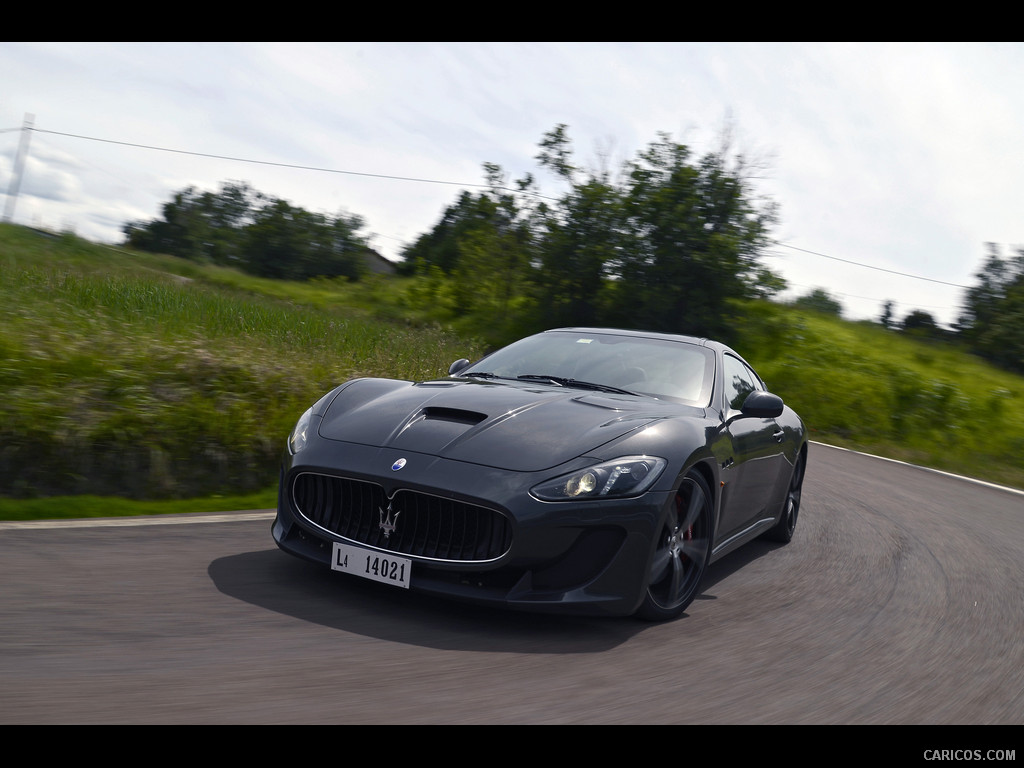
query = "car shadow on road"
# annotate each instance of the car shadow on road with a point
(275, 581)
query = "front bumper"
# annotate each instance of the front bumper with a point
(572, 557)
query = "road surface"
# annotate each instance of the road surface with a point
(898, 601)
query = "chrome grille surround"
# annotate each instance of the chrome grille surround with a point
(426, 526)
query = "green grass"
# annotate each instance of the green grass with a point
(129, 375)
(64, 507)
(861, 386)
(136, 383)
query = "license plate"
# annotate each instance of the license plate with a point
(376, 566)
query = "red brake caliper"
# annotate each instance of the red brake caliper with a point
(688, 533)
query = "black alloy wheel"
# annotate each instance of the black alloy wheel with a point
(783, 530)
(682, 552)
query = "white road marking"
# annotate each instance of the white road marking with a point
(124, 522)
(926, 469)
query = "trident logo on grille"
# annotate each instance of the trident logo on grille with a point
(388, 520)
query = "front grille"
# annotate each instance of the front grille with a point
(426, 526)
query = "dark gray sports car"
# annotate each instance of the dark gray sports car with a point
(580, 470)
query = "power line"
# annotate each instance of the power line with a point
(870, 266)
(280, 165)
(437, 181)
(840, 294)
(944, 308)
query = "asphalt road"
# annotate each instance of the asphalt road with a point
(898, 601)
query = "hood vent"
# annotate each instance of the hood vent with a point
(453, 415)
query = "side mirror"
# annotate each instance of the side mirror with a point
(458, 365)
(762, 404)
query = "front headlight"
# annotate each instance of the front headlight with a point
(297, 439)
(626, 476)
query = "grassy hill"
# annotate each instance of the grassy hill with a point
(153, 378)
(861, 386)
(149, 377)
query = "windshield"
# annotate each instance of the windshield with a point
(675, 370)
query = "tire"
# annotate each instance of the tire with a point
(783, 530)
(681, 554)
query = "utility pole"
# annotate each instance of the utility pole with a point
(19, 166)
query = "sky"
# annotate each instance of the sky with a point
(892, 164)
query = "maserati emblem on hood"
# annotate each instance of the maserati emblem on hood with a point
(398, 465)
(388, 520)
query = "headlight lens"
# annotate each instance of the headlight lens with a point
(297, 439)
(626, 476)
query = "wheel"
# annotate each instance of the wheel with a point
(681, 554)
(783, 530)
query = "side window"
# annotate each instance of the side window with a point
(740, 381)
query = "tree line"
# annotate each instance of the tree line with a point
(669, 241)
(259, 234)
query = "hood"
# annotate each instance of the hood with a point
(509, 425)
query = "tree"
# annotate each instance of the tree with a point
(494, 259)
(767, 284)
(820, 300)
(263, 235)
(290, 243)
(440, 246)
(202, 226)
(581, 240)
(993, 318)
(886, 318)
(474, 266)
(669, 246)
(695, 233)
(921, 323)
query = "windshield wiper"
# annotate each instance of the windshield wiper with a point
(559, 380)
(564, 382)
(480, 375)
